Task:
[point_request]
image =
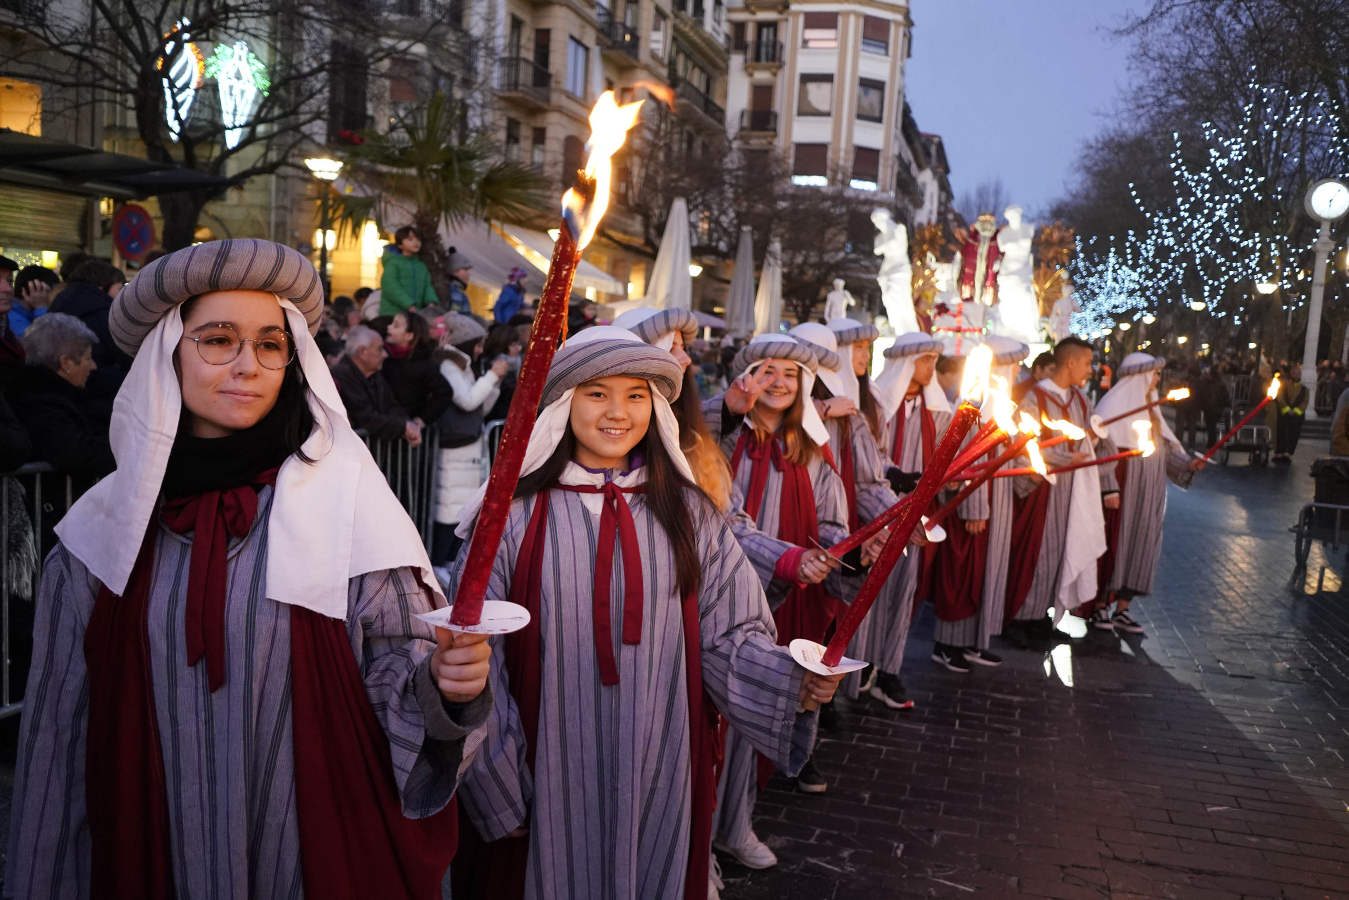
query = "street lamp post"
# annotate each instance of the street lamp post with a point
(326, 170)
(1327, 200)
(1264, 289)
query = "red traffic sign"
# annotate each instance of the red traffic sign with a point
(133, 231)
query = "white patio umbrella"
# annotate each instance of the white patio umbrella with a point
(768, 300)
(740, 299)
(670, 286)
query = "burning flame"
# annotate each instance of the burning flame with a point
(1063, 426)
(1028, 425)
(998, 401)
(1273, 388)
(1143, 429)
(609, 126)
(1177, 394)
(1037, 462)
(974, 383)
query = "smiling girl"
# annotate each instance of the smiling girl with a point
(595, 778)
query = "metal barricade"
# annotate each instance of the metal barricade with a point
(411, 473)
(33, 499)
(493, 431)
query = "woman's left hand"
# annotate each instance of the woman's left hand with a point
(460, 665)
(817, 689)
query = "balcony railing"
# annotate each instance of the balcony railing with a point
(767, 53)
(619, 35)
(763, 120)
(525, 77)
(695, 98)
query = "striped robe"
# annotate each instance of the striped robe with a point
(973, 630)
(1044, 587)
(228, 762)
(607, 804)
(893, 612)
(1138, 546)
(738, 788)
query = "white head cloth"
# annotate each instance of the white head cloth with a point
(330, 521)
(813, 334)
(551, 424)
(893, 383)
(763, 347)
(1130, 392)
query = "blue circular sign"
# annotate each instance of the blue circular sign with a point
(133, 231)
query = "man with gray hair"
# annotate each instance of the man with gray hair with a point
(67, 430)
(369, 399)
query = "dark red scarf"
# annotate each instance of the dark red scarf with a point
(497, 868)
(808, 609)
(354, 842)
(929, 433)
(958, 567)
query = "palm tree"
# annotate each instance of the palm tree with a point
(429, 162)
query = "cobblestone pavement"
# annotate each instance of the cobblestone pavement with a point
(1205, 760)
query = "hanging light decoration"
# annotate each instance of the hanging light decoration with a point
(184, 72)
(240, 78)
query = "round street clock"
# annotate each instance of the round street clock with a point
(1328, 199)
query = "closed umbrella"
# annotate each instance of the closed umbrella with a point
(768, 301)
(670, 286)
(740, 300)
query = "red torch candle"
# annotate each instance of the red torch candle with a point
(1269, 395)
(583, 206)
(1086, 464)
(979, 477)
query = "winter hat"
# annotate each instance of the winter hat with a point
(779, 346)
(458, 260)
(657, 326)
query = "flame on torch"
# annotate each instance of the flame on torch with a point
(1177, 394)
(974, 383)
(1037, 462)
(999, 400)
(1273, 388)
(609, 126)
(1028, 425)
(1063, 426)
(1143, 429)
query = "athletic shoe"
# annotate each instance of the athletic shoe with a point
(950, 657)
(1101, 619)
(714, 882)
(1125, 622)
(753, 854)
(810, 781)
(868, 679)
(982, 657)
(890, 690)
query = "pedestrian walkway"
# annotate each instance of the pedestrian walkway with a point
(1206, 760)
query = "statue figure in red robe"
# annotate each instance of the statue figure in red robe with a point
(979, 258)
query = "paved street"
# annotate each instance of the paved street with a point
(1206, 760)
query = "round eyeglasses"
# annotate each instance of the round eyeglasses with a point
(220, 345)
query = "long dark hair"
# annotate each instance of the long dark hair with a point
(867, 405)
(667, 495)
(705, 457)
(420, 329)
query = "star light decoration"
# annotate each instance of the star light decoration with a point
(240, 77)
(1232, 223)
(184, 71)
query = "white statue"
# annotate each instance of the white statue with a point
(838, 300)
(896, 274)
(1017, 313)
(1061, 316)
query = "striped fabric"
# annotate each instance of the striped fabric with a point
(1142, 509)
(913, 344)
(848, 331)
(243, 264)
(1045, 583)
(664, 321)
(772, 347)
(577, 363)
(228, 763)
(824, 357)
(607, 803)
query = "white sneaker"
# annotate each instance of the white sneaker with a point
(753, 854)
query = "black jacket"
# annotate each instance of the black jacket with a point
(15, 447)
(370, 402)
(65, 427)
(90, 305)
(418, 386)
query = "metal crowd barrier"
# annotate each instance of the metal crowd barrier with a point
(33, 498)
(411, 473)
(1327, 395)
(493, 431)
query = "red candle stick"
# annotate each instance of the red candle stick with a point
(869, 530)
(932, 481)
(583, 206)
(979, 477)
(978, 448)
(1114, 457)
(1269, 395)
(1171, 396)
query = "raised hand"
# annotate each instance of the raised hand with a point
(741, 396)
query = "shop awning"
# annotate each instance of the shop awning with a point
(72, 168)
(537, 247)
(496, 249)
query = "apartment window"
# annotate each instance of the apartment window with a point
(866, 169)
(516, 37)
(578, 68)
(543, 42)
(538, 141)
(738, 36)
(816, 97)
(876, 35)
(658, 26)
(21, 106)
(870, 100)
(402, 81)
(512, 140)
(810, 165)
(346, 91)
(819, 31)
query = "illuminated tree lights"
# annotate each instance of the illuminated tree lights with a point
(240, 77)
(1232, 223)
